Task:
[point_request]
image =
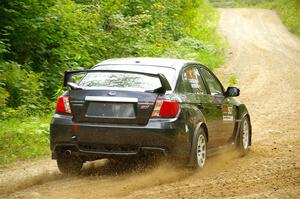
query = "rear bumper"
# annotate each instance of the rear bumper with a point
(105, 140)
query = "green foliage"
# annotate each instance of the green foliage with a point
(23, 139)
(232, 80)
(39, 40)
(4, 95)
(21, 91)
(58, 35)
(288, 10)
(200, 41)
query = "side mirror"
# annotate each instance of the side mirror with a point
(232, 92)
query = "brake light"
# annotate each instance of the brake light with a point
(63, 105)
(165, 108)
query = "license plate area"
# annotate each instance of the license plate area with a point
(116, 110)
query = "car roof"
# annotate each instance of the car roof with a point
(147, 61)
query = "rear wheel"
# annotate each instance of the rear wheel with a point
(199, 154)
(244, 136)
(69, 165)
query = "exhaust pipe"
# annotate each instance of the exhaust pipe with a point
(68, 153)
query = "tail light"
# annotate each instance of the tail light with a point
(63, 105)
(165, 108)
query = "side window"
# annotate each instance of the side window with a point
(213, 84)
(192, 81)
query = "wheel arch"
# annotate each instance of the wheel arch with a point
(242, 112)
(203, 125)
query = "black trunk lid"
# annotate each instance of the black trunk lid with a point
(112, 106)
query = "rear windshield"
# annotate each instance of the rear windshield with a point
(127, 80)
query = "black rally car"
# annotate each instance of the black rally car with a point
(132, 106)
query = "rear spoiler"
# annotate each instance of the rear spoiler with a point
(163, 80)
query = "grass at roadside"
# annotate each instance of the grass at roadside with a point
(23, 139)
(27, 138)
(288, 10)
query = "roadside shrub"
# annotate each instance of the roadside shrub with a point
(52, 36)
(20, 91)
(23, 139)
(39, 40)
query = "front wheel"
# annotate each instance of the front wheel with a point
(244, 136)
(199, 151)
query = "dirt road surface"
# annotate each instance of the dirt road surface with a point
(266, 59)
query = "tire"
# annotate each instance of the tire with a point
(199, 149)
(243, 142)
(69, 165)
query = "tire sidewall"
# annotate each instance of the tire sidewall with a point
(195, 164)
(243, 151)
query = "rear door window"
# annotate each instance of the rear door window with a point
(192, 81)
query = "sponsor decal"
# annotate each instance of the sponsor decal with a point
(228, 118)
(230, 110)
(225, 109)
(227, 113)
(190, 74)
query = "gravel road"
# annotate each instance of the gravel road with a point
(265, 57)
